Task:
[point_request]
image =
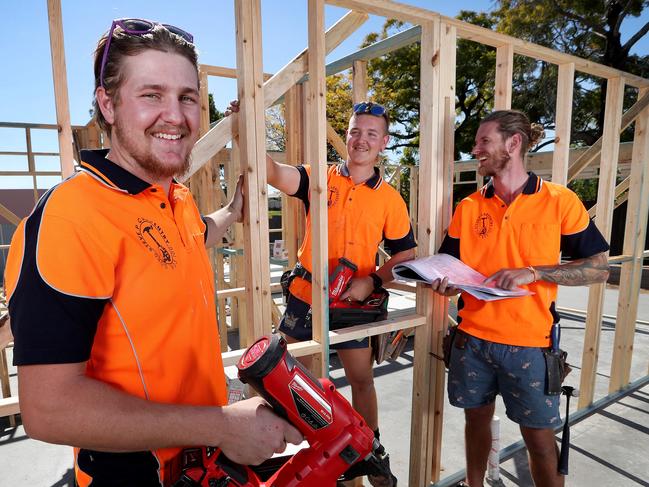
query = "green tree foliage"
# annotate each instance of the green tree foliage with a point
(586, 28)
(215, 113)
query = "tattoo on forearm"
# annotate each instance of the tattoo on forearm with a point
(577, 273)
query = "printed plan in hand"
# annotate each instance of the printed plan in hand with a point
(460, 275)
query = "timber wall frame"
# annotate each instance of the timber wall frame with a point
(306, 135)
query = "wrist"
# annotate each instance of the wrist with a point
(535, 275)
(376, 280)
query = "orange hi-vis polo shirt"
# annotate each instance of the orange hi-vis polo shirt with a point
(360, 216)
(487, 235)
(110, 271)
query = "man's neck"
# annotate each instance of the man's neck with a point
(115, 155)
(509, 183)
(360, 172)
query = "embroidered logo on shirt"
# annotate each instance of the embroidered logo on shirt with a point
(483, 225)
(332, 196)
(154, 239)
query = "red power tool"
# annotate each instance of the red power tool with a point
(338, 436)
(343, 313)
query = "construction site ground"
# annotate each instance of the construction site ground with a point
(608, 446)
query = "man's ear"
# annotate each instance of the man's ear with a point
(386, 139)
(106, 104)
(514, 144)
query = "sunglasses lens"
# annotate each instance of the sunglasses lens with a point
(179, 32)
(136, 26)
(377, 110)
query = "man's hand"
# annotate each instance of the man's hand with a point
(254, 433)
(359, 289)
(511, 278)
(440, 286)
(233, 108)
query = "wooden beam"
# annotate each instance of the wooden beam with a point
(397, 321)
(223, 72)
(563, 123)
(294, 211)
(389, 9)
(594, 150)
(359, 81)
(438, 51)
(605, 192)
(9, 406)
(317, 153)
(252, 144)
(504, 73)
(634, 239)
(336, 141)
(59, 75)
(9, 215)
(619, 190)
(274, 88)
(465, 30)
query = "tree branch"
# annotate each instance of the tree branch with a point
(635, 38)
(594, 27)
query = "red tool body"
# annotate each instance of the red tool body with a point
(337, 435)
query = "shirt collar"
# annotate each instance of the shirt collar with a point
(374, 182)
(95, 162)
(533, 185)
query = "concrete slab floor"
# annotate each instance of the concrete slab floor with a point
(608, 448)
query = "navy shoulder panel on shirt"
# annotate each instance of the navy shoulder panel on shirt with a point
(49, 327)
(584, 244)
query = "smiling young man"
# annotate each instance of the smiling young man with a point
(363, 211)
(514, 230)
(110, 289)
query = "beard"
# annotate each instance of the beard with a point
(496, 163)
(152, 165)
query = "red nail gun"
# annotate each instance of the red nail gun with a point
(342, 313)
(337, 435)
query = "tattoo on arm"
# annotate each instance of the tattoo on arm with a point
(576, 273)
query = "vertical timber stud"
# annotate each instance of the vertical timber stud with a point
(504, 73)
(60, 87)
(634, 238)
(438, 43)
(563, 118)
(605, 200)
(252, 143)
(293, 212)
(317, 156)
(359, 81)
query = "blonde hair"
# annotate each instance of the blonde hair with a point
(512, 122)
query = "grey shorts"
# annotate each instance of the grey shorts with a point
(483, 369)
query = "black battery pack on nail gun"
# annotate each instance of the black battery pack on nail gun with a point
(374, 308)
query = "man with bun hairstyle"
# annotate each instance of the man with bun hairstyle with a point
(514, 230)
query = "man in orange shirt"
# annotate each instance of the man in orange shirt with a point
(363, 211)
(513, 230)
(110, 289)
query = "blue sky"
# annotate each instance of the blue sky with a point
(26, 89)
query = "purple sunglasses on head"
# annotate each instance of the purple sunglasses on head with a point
(137, 27)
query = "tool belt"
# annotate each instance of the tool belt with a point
(343, 314)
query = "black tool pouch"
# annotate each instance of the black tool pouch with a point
(447, 343)
(556, 370)
(285, 282)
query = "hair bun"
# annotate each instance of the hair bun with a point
(537, 133)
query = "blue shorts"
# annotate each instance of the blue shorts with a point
(483, 369)
(296, 323)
